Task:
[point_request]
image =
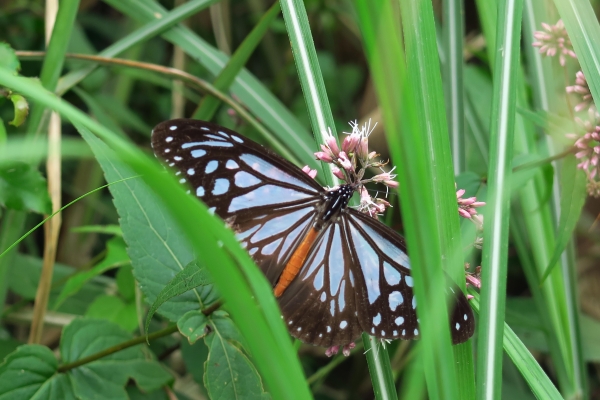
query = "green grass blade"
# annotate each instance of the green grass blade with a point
(378, 360)
(453, 32)
(210, 104)
(242, 285)
(425, 81)
(574, 194)
(309, 72)
(495, 250)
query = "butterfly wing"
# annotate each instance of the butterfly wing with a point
(265, 199)
(320, 305)
(387, 306)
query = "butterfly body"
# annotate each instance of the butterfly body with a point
(336, 272)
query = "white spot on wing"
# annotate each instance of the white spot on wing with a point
(173, 127)
(237, 139)
(414, 303)
(199, 191)
(392, 276)
(409, 281)
(242, 179)
(211, 166)
(212, 211)
(416, 332)
(167, 150)
(399, 321)
(377, 319)
(328, 329)
(343, 324)
(465, 317)
(323, 296)
(191, 171)
(231, 165)
(169, 139)
(395, 299)
(457, 326)
(221, 186)
(182, 180)
(198, 153)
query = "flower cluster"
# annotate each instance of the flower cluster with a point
(467, 207)
(351, 162)
(588, 150)
(581, 88)
(554, 40)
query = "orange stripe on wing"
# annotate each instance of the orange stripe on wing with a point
(296, 261)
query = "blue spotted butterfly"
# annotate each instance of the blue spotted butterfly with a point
(350, 273)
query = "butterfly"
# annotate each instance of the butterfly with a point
(336, 271)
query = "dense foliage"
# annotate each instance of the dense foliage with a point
(134, 290)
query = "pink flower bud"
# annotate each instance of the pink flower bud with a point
(464, 213)
(332, 144)
(391, 184)
(362, 149)
(344, 161)
(322, 156)
(338, 173)
(310, 172)
(459, 193)
(350, 142)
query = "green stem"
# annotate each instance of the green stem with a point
(121, 346)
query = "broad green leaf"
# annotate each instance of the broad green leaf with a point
(106, 377)
(191, 277)
(193, 325)
(156, 247)
(229, 373)
(116, 256)
(113, 309)
(470, 182)
(30, 373)
(8, 58)
(572, 199)
(23, 188)
(23, 279)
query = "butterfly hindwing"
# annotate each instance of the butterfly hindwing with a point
(386, 291)
(320, 305)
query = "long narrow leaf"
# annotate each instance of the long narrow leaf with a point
(495, 251)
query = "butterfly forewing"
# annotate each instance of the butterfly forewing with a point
(228, 172)
(356, 275)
